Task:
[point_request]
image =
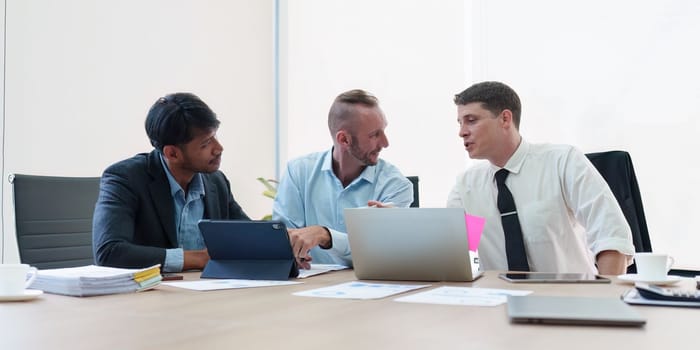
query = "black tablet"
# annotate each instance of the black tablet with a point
(547, 277)
(258, 250)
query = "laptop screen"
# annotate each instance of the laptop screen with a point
(418, 244)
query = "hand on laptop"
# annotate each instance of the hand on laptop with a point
(378, 204)
(303, 239)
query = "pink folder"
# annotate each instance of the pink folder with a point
(475, 226)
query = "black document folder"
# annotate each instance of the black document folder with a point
(258, 250)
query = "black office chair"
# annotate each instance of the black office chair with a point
(617, 170)
(414, 181)
(54, 219)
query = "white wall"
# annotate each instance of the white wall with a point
(600, 75)
(82, 74)
(2, 138)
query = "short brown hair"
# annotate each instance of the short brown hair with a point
(494, 96)
(342, 109)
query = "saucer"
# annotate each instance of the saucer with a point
(28, 294)
(633, 277)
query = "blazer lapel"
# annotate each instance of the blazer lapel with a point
(212, 209)
(160, 195)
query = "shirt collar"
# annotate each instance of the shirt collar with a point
(196, 186)
(516, 161)
(328, 161)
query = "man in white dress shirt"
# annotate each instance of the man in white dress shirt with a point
(569, 218)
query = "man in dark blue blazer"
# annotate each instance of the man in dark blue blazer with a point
(149, 205)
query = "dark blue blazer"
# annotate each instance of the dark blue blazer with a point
(134, 221)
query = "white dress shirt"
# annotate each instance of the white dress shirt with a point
(566, 210)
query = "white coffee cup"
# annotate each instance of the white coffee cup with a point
(653, 266)
(15, 278)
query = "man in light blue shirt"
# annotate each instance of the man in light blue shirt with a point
(317, 187)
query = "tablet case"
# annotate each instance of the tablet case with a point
(257, 250)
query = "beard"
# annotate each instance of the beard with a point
(201, 166)
(364, 157)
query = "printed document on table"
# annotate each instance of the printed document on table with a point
(360, 290)
(96, 280)
(317, 269)
(216, 284)
(463, 296)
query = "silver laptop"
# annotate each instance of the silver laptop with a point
(572, 310)
(410, 244)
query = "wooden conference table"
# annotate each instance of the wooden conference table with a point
(271, 318)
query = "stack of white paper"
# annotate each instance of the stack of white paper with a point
(96, 280)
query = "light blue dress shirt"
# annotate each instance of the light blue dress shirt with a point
(310, 194)
(189, 209)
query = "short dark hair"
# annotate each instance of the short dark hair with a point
(173, 119)
(342, 111)
(494, 96)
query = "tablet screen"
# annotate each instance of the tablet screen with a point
(546, 277)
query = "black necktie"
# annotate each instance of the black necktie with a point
(515, 248)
